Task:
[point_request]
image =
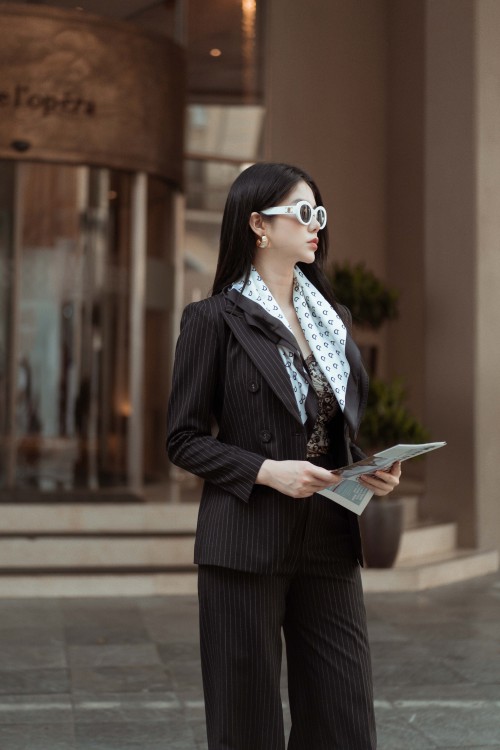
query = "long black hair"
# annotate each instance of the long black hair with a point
(261, 186)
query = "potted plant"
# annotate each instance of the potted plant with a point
(387, 420)
(370, 301)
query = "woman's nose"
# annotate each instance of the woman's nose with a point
(313, 224)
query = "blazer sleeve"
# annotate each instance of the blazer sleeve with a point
(190, 443)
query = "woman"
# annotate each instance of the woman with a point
(268, 390)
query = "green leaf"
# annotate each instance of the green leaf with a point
(387, 420)
(370, 301)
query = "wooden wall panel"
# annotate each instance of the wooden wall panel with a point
(82, 89)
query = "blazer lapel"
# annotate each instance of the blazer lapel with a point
(264, 353)
(357, 387)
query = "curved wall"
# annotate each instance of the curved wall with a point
(81, 89)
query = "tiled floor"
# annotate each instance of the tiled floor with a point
(124, 674)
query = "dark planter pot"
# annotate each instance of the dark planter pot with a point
(381, 527)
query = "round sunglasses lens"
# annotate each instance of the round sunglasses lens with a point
(321, 217)
(305, 213)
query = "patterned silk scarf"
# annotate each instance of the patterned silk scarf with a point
(323, 329)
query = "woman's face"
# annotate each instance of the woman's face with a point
(288, 238)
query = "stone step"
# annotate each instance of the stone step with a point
(80, 537)
(98, 584)
(97, 518)
(102, 518)
(410, 510)
(426, 540)
(135, 548)
(435, 570)
(97, 552)
(138, 534)
(431, 573)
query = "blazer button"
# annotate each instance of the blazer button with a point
(265, 436)
(253, 386)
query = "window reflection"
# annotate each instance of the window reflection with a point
(66, 418)
(6, 289)
(71, 392)
(221, 142)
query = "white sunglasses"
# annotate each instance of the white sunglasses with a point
(302, 211)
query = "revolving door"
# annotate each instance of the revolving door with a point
(87, 294)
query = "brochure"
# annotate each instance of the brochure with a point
(350, 493)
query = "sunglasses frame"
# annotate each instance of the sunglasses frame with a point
(295, 211)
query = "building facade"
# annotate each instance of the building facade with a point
(392, 106)
(91, 178)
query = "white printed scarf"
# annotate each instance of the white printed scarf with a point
(323, 329)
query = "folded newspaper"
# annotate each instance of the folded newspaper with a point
(350, 493)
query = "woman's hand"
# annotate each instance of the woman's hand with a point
(382, 482)
(295, 478)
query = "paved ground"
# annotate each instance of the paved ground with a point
(123, 674)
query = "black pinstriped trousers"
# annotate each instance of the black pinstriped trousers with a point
(317, 600)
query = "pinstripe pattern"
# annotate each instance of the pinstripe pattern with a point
(319, 604)
(227, 367)
(240, 638)
(329, 668)
(267, 561)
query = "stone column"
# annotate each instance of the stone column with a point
(487, 360)
(462, 264)
(405, 198)
(326, 111)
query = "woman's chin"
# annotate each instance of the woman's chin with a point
(308, 258)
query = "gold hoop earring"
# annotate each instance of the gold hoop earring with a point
(262, 242)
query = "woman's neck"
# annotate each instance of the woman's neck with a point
(279, 281)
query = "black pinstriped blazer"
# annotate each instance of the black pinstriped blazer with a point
(228, 369)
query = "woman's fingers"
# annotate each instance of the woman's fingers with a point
(302, 479)
(382, 482)
(311, 479)
(295, 478)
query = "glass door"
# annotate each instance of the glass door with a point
(90, 290)
(7, 289)
(65, 324)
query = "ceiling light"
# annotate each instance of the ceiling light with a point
(215, 52)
